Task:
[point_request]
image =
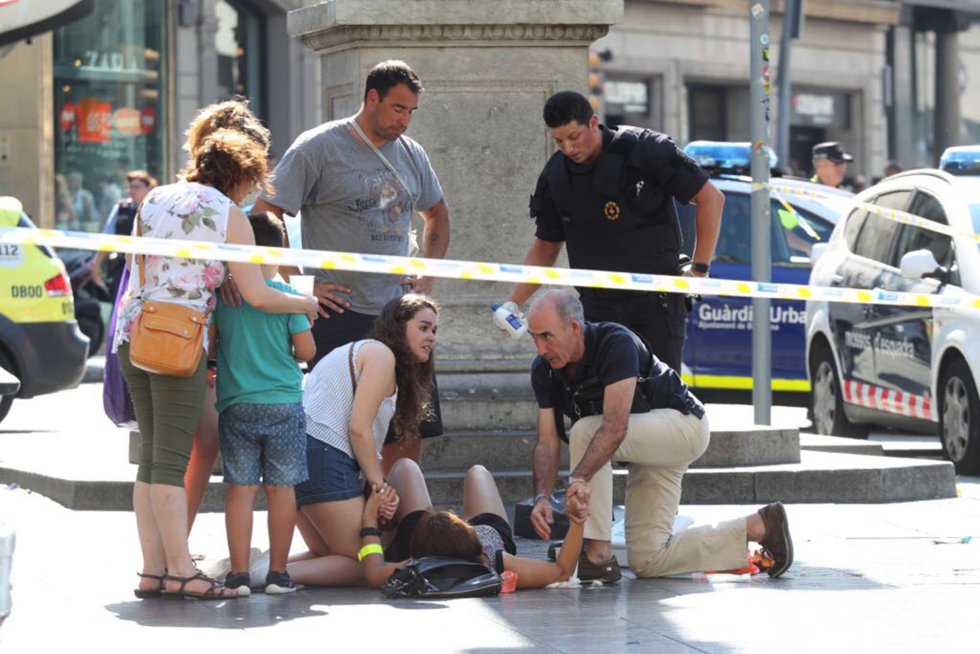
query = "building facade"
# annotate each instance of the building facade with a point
(114, 91)
(872, 74)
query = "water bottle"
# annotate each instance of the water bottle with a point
(507, 321)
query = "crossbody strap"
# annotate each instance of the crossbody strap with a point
(140, 259)
(384, 160)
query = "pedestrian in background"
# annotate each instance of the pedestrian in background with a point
(120, 222)
(830, 164)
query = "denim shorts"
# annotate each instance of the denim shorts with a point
(263, 442)
(334, 476)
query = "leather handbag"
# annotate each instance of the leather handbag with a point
(442, 577)
(167, 338)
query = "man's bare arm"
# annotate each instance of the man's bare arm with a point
(616, 404)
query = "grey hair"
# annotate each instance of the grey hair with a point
(566, 305)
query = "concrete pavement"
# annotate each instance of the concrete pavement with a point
(882, 577)
(871, 578)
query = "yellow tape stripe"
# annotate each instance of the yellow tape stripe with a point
(733, 382)
(454, 269)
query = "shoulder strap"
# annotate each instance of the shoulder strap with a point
(140, 259)
(350, 365)
(384, 159)
(558, 404)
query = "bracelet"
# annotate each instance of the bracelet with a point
(370, 531)
(576, 480)
(538, 497)
(368, 550)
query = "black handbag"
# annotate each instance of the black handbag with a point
(440, 577)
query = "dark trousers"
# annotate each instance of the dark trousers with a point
(660, 318)
(349, 326)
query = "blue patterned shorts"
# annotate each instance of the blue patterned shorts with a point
(263, 442)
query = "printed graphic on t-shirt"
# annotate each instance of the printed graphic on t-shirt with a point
(385, 208)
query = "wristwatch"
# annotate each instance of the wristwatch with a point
(701, 268)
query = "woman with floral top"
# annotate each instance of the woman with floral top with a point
(202, 206)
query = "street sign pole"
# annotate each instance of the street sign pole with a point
(761, 255)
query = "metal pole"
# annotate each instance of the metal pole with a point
(761, 256)
(783, 83)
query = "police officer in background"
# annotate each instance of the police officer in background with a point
(609, 195)
(830, 164)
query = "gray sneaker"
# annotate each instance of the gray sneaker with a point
(240, 582)
(279, 583)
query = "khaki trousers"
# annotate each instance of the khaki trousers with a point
(658, 447)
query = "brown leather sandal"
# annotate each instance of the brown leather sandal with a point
(150, 593)
(212, 593)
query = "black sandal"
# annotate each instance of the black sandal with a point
(212, 593)
(150, 593)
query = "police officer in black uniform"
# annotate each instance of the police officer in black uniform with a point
(120, 222)
(609, 195)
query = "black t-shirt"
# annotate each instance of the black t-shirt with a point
(614, 353)
(655, 161)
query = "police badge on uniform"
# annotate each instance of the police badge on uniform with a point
(611, 210)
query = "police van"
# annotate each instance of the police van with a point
(913, 368)
(718, 351)
(40, 343)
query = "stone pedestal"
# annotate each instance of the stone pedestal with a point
(487, 68)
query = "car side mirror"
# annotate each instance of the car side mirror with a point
(921, 263)
(816, 252)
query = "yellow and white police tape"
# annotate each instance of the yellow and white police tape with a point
(892, 214)
(477, 270)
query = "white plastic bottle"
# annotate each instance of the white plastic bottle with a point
(508, 321)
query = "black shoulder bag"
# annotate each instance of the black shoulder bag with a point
(440, 577)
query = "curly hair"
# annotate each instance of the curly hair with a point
(231, 114)
(414, 378)
(442, 533)
(227, 158)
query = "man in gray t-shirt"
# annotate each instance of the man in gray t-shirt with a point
(350, 201)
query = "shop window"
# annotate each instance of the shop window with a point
(239, 42)
(707, 106)
(109, 107)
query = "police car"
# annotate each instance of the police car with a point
(40, 343)
(718, 350)
(908, 367)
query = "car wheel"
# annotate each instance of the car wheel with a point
(826, 400)
(959, 418)
(6, 400)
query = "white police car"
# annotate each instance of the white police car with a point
(909, 367)
(718, 348)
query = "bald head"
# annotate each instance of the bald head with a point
(562, 302)
(556, 322)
